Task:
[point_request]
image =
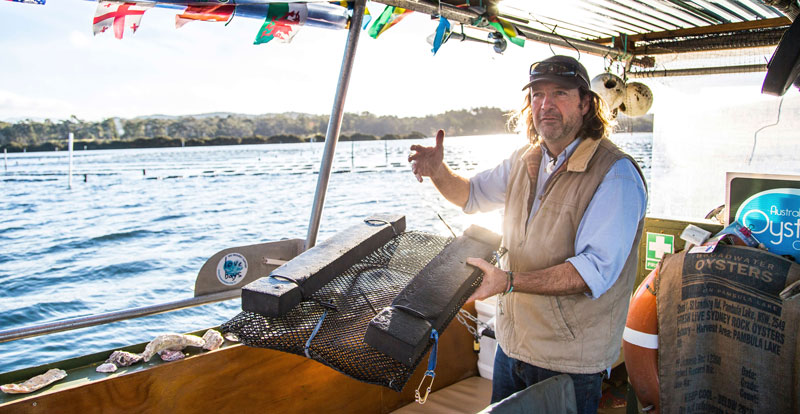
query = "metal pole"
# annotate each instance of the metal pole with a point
(69, 144)
(582, 45)
(335, 123)
(84, 322)
(716, 70)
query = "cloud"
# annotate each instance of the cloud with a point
(79, 39)
(15, 107)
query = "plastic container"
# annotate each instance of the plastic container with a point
(486, 310)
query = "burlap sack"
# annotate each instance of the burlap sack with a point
(727, 343)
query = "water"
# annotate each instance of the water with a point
(139, 228)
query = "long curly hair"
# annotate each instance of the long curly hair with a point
(597, 123)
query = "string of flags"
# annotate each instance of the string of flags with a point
(282, 21)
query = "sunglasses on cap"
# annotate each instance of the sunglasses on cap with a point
(564, 69)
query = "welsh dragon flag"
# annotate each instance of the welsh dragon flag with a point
(118, 15)
(282, 23)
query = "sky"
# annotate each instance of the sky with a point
(51, 66)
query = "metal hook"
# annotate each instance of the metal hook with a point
(422, 399)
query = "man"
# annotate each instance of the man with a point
(574, 207)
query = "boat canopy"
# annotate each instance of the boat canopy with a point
(646, 37)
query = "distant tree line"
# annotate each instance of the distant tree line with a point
(232, 129)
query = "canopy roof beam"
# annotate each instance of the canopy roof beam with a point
(704, 30)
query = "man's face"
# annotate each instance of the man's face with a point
(557, 112)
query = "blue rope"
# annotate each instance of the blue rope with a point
(314, 333)
(432, 356)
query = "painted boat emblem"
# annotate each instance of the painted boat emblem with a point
(231, 269)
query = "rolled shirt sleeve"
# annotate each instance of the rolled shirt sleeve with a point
(608, 227)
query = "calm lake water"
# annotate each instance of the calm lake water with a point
(137, 225)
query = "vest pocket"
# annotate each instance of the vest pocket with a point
(564, 330)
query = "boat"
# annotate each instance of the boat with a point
(632, 34)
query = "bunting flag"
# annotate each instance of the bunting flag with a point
(29, 1)
(282, 23)
(118, 15)
(367, 18)
(508, 30)
(349, 4)
(212, 13)
(390, 16)
(442, 33)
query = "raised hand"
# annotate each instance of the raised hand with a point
(427, 161)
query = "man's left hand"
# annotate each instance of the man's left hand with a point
(495, 279)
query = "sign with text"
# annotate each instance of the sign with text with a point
(727, 342)
(770, 206)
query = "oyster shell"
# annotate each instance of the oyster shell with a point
(213, 340)
(123, 359)
(106, 367)
(34, 383)
(173, 342)
(167, 355)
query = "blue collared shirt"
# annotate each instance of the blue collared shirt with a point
(608, 227)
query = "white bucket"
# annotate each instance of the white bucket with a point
(486, 309)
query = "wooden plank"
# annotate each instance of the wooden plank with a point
(239, 379)
(402, 331)
(278, 293)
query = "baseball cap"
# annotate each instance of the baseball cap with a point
(563, 70)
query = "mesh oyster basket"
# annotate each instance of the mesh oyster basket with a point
(329, 326)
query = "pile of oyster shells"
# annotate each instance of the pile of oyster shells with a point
(169, 347)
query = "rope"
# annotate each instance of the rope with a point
(289, 279)
(303, 297)
(411, 311)
(432, 356)
(446, 225)
(375, 222)
(755, 135)
(314, 333)
(371, 306)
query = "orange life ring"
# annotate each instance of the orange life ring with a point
(640, 343)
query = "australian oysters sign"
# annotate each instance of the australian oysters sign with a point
(770, 206)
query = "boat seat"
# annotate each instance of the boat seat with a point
(467, 396)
